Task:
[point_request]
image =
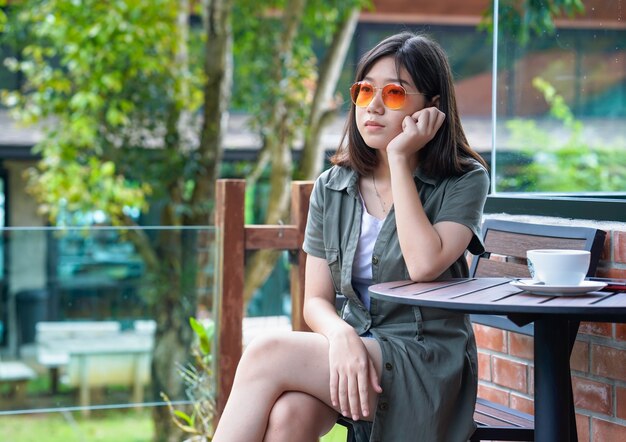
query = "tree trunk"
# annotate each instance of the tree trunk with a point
(324, 108)
(218, 67)
(179, 250)
(278, 142)
(261, 263)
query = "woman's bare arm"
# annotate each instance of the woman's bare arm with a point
(352, 371)
(428, 249)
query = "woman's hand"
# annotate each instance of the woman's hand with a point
(417, 130)
(352, 373)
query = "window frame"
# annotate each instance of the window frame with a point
(596, 206)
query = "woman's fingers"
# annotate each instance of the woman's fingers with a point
(353, 379)
(374, 381)
(353, 396)
(334, 386)
(351, 393)
(429, 120)
(342, 392)
(364, 390)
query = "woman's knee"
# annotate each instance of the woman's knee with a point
(261, 355)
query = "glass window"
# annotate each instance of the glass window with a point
(561, 105)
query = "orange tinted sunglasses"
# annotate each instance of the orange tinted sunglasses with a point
(394, 95)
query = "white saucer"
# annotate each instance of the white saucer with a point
(530, 285)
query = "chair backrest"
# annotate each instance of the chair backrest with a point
(506, 243)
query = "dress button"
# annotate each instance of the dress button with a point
(375, 260)
(388, 366)
(383, 406)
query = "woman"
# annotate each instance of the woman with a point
(404, 200)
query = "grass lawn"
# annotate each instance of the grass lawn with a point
(337, 434)
(101, 426)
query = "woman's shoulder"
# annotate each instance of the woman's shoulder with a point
(473, 170)
(474, 179)
(336, 177)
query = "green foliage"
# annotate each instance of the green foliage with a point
(103, 77)
(3, 17)
(258, 30)
(198, 377)
(521, 20)
(129, 425)
(562, 164)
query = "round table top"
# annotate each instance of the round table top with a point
(499, 297)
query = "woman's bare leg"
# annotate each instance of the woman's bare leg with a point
(300, 417)
(270, 366)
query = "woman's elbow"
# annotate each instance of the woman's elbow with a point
(424, 273)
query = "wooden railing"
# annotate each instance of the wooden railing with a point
(233, 239)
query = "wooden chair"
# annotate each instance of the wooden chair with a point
(506, 244)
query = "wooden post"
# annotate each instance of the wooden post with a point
(300, 195)
(233, 238)
(228, 302)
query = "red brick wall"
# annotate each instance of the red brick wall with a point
(598, 364)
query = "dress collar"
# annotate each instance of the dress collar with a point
(347, 179)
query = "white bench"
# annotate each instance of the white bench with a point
(52, 339)
(96, 354)
(17, 374)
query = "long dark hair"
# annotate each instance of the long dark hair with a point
(448, 153)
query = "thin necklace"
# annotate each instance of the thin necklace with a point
(380, 199)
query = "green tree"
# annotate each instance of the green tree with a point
(562, 163)
(120, 103)
(288, 92)
(521, 19)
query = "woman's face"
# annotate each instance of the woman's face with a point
(378, 124)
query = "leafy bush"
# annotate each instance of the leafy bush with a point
(552, 163)
(200, 382)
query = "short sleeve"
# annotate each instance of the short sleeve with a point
(314, 232)
(464, 202)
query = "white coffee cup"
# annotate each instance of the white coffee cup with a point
(558, 267)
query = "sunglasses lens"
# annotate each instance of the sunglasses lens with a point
(393, 96)
(362, 93)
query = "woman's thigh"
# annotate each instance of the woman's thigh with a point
(298, 361)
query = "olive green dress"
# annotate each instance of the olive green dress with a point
(429, 376)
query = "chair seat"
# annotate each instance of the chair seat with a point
(496, 421)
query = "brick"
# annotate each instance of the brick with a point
(579, 360)
(490, 338)
(612, 273)
(619, 247)
(522, 404)
(621, 402)
(484, 366)
(493, 394)
(511, 374)
(592, 395)
(620, 332)
(521, 346)
(608, 362)
(607, 248)
(582, 427)
(604, 329)
(605, 431)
